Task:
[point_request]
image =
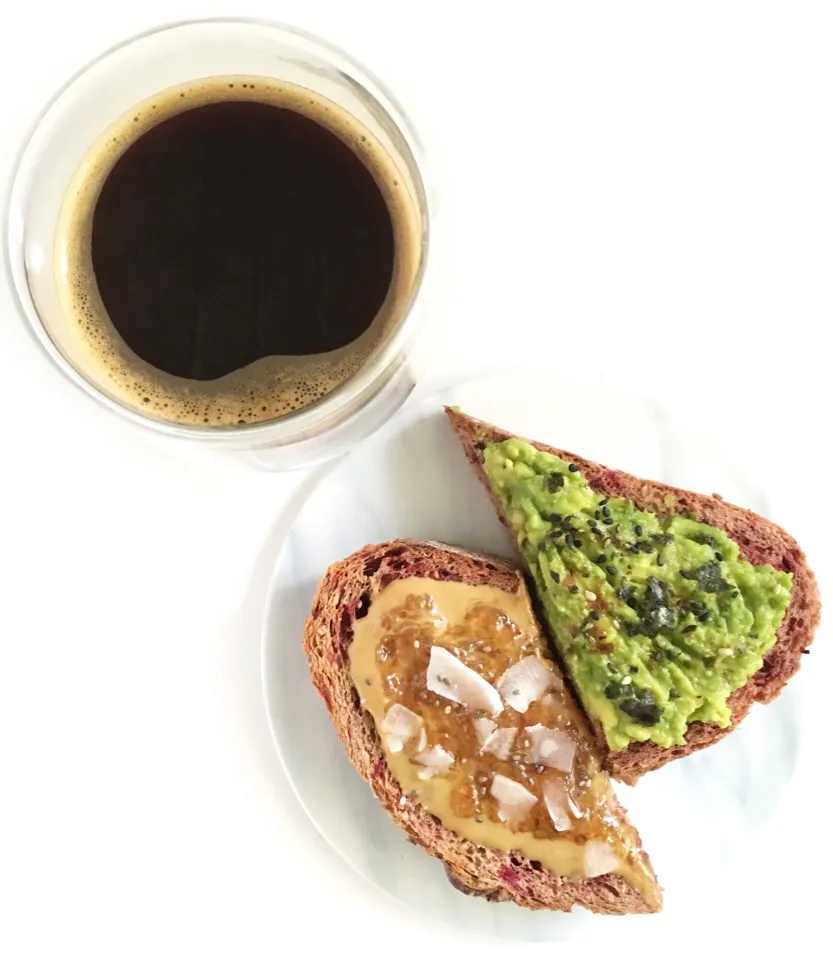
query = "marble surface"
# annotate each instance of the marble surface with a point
(697, 817)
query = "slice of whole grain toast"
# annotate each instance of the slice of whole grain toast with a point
(760, 541)
(344, 596)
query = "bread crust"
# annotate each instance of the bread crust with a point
(344, 595)
(760, 541)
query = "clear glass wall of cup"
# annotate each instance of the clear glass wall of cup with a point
(141, 67)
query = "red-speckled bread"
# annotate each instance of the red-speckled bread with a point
(343, 597)
(760, 541)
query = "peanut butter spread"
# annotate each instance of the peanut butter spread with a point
(475, 721)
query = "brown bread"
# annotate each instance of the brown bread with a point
(344, 595)
(760, 541)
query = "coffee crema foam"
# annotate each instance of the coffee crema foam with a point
(270, 387)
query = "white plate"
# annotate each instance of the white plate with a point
(696, 816)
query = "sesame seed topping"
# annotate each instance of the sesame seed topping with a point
(590, 595)
(573, 468)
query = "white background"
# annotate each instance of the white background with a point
(639, 192)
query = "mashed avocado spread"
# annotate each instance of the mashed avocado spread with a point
(657, 618)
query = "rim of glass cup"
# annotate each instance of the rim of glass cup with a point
(313, 421)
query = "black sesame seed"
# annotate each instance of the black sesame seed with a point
(597, 514)
(660, 561)
(608, 521)
(592, 523)
(634, 669)
(611, 667)
(703, 617)
(602, 558)
(690, 628)
(718, 556)
(685, 574)
(556, 576)
(674, 693)
(611, 570)
(606, 511)
(573, 468)
(603, 502)
(574, 589)
(594, 614)
(577, 542)
(735, 594)
(638, 530)
(634, 548)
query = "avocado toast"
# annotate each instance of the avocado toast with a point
(672, 611)
(436, 675)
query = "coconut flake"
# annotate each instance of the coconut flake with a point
(551, 748)
(599, 859)
(500, 742)
(514, 800)
(524, 682)
(555, 799)
(484, 728)
(450, 678)
(436, 760)
(400, 724)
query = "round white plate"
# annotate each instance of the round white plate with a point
(696, 816)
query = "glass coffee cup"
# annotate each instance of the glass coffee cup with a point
(293, 425)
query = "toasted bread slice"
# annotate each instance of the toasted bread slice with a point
(760, 542)
(346, 597)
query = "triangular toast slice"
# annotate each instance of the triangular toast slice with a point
(672, 611)
(438, 680)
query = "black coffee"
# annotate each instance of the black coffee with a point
(239, 257)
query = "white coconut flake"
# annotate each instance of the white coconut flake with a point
(450, 678)
(484, 728)
(433, 761)
(555, 800)
(399, 726)
(551, 748)
(574, 808)
(599, 859)
(524, 682)
(514, 800)
(499, 743)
